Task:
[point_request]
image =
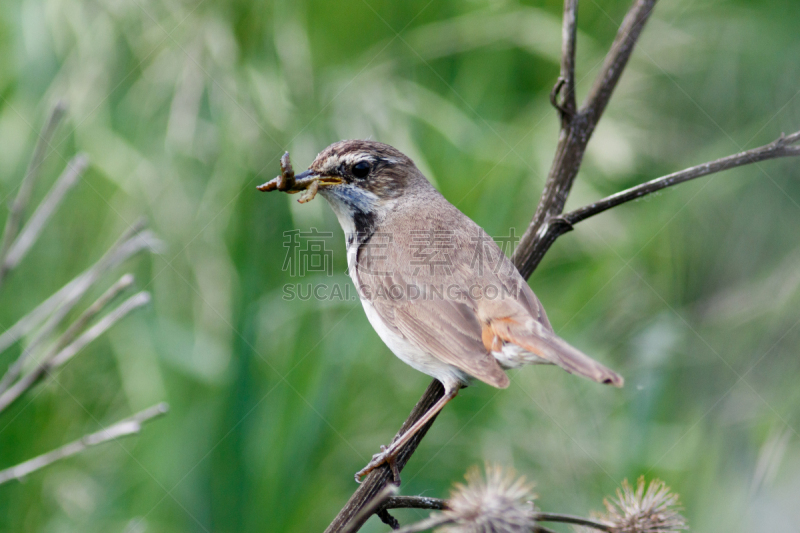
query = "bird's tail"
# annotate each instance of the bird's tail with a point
(542, 342)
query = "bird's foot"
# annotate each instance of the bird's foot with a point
(388, 456)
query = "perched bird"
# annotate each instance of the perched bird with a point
(437, 289)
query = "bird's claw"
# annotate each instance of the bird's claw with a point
(386, 455)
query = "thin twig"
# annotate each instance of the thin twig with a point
(387, 518)
(423, 502)
(374, 482)
(442, 520)
(575, 134)
(27, 237)
(415, 502)
(129, 426)
(569, 519)
(130, 243)
(65, 354)
(134, 302)
(617, 59)
(17, 210)
(784, 146)
(373, 506)
(776, 149)
(68, 336)
(566, 80)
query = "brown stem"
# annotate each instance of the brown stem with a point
(423, 502)
(616, 60)
(437, 504)
(784, 146)
(566, 80)
(576, 132)
(414, 502)
(372, 485)
(569, 519)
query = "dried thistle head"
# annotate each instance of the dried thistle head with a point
(655, 510)
(498, 502)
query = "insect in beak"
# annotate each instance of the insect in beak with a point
(307, 181)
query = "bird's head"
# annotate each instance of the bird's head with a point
(362, 180)
(368, 167)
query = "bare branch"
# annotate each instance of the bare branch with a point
(134, 302)
(617, 59)
(16, 369)
(778, 148)
(69, 177)
(569, 519)
(566, 80)
(129, 426)
(130, 243)
(374, 482)
(576, 132)
(53, 361)
(17, 210)
(374, 505)
(437, 504)
(414, 502)
(784, 146)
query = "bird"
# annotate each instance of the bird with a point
(438, 291)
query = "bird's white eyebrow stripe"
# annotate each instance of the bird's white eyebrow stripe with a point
(334, 162)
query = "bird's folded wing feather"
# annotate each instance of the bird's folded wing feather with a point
(449, 331)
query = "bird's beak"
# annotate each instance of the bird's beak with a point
(300, 182)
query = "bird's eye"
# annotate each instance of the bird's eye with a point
(361, 169)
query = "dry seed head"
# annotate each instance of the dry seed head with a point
(498, 502)
(655, 510)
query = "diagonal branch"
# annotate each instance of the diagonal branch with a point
(576, 132)
(68, 336)
(20, 204)
(56, 307)
(68, 178)
(426, 524)
(781, 147)
(66, 348)
(575, 520)
(373, 484)
(784, 146)
(616, 60)
(129, 426)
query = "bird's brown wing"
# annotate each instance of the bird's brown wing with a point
(446, 329)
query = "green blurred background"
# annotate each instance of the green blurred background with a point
(184, 107)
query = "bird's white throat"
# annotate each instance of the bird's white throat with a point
(352, 206)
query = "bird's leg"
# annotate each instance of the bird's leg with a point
(389, 455)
